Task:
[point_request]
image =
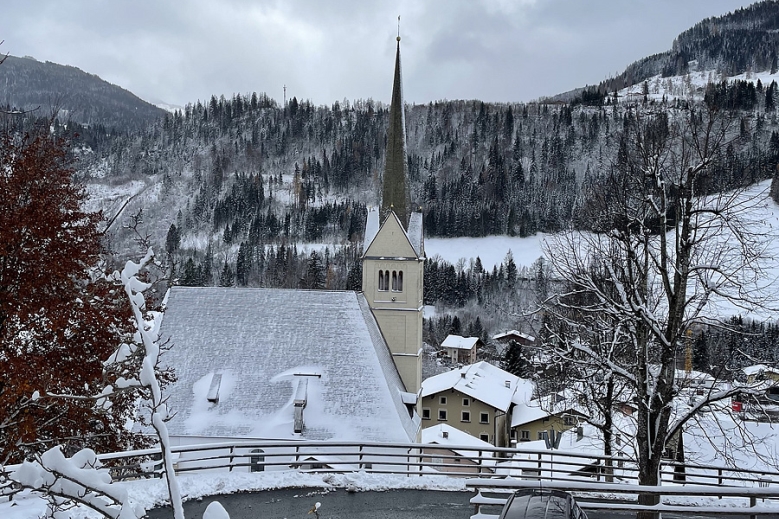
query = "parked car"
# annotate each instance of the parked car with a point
(534, 503)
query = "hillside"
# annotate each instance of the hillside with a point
(240, 190)
(28, 84)
(741, 42)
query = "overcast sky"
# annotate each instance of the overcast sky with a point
(179, 51)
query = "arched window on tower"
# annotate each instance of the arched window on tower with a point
(397, 281)
(384, 280)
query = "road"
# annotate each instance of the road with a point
(291, 503)
(295, 503)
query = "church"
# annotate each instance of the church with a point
(254, 363)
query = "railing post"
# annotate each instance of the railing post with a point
(719, 480)
(232, 453)
(752, 503)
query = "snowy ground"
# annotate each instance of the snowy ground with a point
(491, 250)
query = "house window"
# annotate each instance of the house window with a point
(466, 416)
(426, 413)
(484, 437)
(545, 420)
(484, 418)
(442, 400)
(569, 420)
(397, 281)
(442, 415)
(524, 435)
(384, 280)
(541, 435)
(466, 402)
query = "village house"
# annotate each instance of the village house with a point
(476, 399)
(533, 420)
(458, 451)
(461, 350)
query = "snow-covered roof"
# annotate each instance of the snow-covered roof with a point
(514, 333)
(415, 233)
(532, 410)
(456, 437)
(759, 368)
(481, 381)
(371, 227)
(273, 347)
(459, 342)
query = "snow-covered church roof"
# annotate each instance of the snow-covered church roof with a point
(258, 363)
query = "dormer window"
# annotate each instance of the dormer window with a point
(397, 281)
(384, 280)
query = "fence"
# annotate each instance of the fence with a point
(491, 473)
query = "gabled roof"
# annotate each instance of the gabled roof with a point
(391, 224)
(265, 343)
(456, 437)
(483, 382)
(459, 342)
(513, 333)
(550, 405)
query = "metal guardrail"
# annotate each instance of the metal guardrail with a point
(493, 471)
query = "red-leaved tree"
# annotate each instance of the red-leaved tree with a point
(59, 319)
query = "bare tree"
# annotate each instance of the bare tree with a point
(661, 253)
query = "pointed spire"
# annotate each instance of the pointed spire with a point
(395, 191)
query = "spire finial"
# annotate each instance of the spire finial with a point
(398, 27)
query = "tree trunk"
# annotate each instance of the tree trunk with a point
(648, 476)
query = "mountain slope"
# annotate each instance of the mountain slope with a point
(745, 40)
(28, 84)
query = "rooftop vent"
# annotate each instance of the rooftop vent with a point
(301, 400)
(213, 390)
(508, 383)
(462, 374)
(445, 434)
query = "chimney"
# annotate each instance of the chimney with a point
(462, 374)
(445, 434)
(508, 384)
(213, 389)
(300, 402)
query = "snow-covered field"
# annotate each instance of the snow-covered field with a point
(491, 250)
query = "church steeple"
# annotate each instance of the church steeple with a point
(395, 190)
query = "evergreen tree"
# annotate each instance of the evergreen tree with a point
(172, 240)
(315, 272)
(226, 278)
(455, 328)
(513, 361)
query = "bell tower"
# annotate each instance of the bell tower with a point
(394, 253)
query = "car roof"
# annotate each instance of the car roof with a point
(538, 504)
